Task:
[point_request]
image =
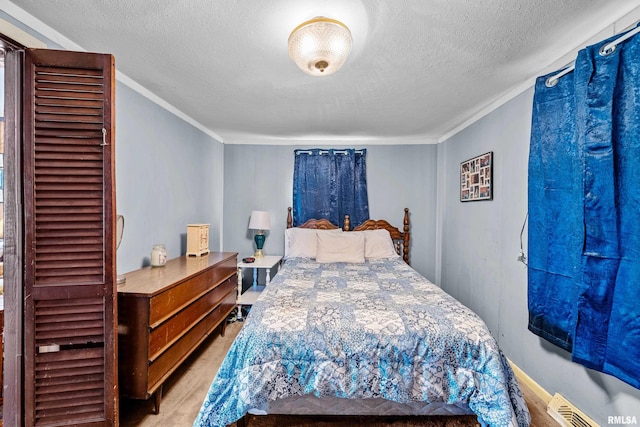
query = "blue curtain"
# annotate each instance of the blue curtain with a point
(584, 234)
(329, 184)
(555, 214)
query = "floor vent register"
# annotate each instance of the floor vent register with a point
(566, 414)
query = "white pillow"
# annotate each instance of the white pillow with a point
(340, 247)
(378, 244)
(302, 242)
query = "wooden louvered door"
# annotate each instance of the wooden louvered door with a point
(69, 204)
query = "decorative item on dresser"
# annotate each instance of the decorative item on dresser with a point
(158, 255)
(197, 239)
(120, 279)
(164, 314)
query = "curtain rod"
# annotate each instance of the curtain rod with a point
(605, 50)
(324, 151)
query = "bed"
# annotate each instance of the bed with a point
(347, 327)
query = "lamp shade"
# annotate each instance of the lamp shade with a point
(260, 220)
(320, 46)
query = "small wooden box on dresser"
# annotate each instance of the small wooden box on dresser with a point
(164, 313)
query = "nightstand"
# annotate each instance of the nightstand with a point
(251, 295)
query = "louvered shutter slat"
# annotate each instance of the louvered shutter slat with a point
(70, 351)
(78, 137)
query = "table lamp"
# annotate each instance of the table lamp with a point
(260, 221)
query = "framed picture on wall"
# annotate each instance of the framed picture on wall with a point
(476, 178)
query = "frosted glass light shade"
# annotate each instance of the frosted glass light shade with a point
(320, 46)
(260, 220)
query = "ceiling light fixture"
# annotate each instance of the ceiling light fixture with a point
(320, 46)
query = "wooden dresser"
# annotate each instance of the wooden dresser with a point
(164, 313)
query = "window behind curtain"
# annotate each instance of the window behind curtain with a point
(330, 184)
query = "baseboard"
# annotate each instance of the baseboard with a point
(529, 382)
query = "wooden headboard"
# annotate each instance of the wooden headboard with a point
(401, 239)
(320, 224)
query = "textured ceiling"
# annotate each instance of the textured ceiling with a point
(419, 69)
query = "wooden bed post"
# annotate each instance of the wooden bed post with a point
(347, 223)
(405, 235)
(289, 218)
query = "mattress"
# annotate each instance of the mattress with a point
(362, 335)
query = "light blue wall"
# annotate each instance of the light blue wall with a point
(261, 177)
(168, 174)
(480, 245)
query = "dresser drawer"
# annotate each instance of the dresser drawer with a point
(168, 361)
(174, 327)
(225, 308)
(174, 299)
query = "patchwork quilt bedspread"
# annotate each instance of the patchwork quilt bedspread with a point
(360, 331)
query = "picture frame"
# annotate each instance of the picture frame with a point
(476, 178)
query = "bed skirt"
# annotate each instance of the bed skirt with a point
(313, 405)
